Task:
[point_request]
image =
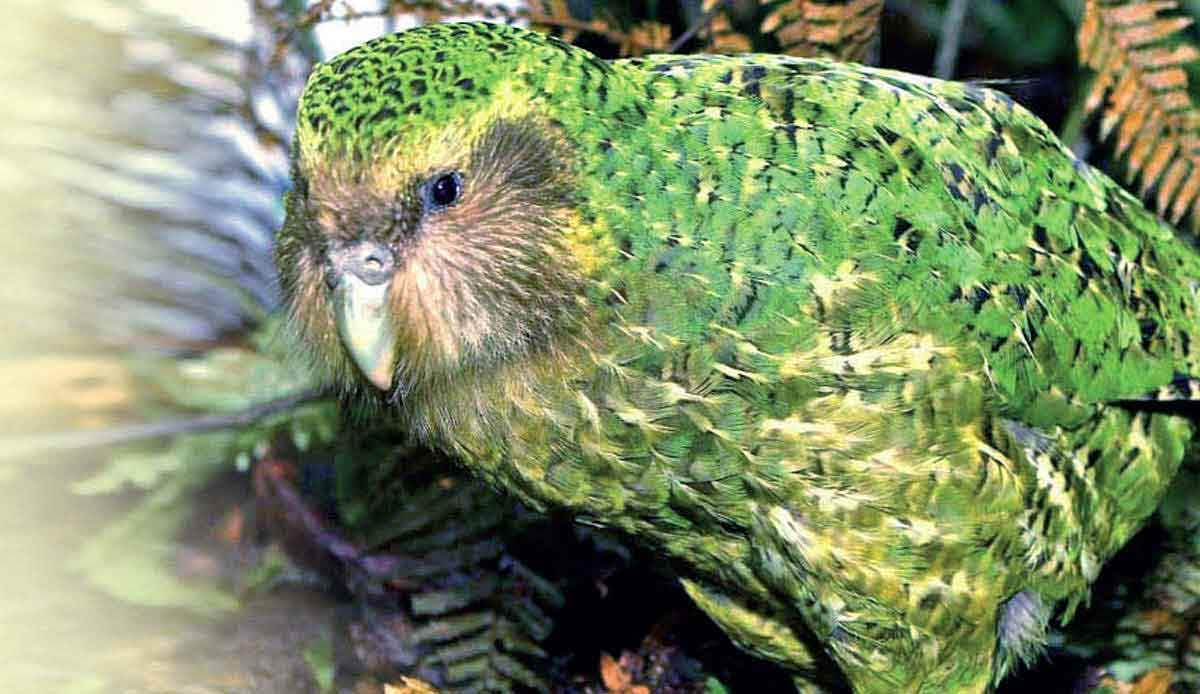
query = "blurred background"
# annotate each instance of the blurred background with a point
(182, 510)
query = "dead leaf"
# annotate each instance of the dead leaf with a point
(616, 678)
(409, 685)
(229, 531)
(1160, 622)
(1157, 681)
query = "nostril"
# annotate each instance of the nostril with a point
(375, 266)
(366, 260)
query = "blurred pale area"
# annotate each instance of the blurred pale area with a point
(112, 217)
(142, 160)
(125, 226)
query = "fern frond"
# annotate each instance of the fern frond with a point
(542, 15)
(720, 32)
(556, 16)
(844, 30)
(476, 615)
(1138, 53)
(134, 557)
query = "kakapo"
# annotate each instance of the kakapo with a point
(882, 367)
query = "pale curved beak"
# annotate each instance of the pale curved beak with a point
(361, 276)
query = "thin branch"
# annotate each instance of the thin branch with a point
(78, 440)
(951, 39)
(1077, 118)
(272, 484)
(696, 27)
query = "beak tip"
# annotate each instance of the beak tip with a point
(381, 378)
(364, 328)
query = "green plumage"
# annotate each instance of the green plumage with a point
(872, 357)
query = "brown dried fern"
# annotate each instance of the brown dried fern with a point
(1141, 88)
(844, 30)
(542, 15)
(722, 37)
(554, 15)
(841, 29)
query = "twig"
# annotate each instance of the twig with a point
(1072, 132)
(951, 39)
(76, 440)
(696, 27)
(273, 485)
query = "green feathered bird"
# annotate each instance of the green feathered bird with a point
(882, 368)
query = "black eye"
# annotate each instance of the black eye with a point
(445, 190)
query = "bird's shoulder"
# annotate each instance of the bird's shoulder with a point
(961, 207)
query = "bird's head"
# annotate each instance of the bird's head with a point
(433, 226)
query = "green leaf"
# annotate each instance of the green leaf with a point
(319, 657)
(133, 558)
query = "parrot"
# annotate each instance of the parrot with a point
(878, 366)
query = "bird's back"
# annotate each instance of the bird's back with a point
(928, 334)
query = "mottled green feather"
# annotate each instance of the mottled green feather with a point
(867, 354)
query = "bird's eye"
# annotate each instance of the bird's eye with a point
(445, 190)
